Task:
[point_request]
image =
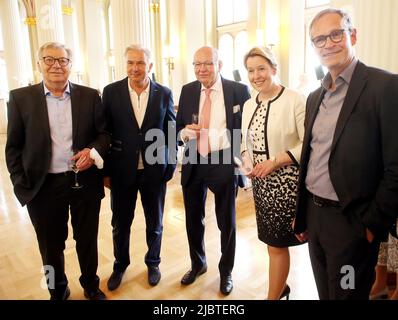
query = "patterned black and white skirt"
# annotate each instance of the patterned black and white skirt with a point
(275, 204)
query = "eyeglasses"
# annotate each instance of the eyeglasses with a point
(335, 36)
(206, 64)
(50, 61)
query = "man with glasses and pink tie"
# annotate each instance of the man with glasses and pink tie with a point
(348, 184)
(209, 110)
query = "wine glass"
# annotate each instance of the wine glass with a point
(75, 169)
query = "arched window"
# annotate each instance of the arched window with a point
(226, 47)
(231, 11)
(232, 36)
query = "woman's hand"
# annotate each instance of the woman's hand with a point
(263, 169)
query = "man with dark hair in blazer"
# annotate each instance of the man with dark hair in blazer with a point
(136, 108)
(208, 159)
(51, 125)
(348, 184)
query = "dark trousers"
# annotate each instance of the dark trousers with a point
(123, 202)
(337, 243)
(219, 179)
(49, 213)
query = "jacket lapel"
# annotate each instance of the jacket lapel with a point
(228, 100)
(42, 110)
(153, 102)
(196, 99)
(357, 84)
(126, 102)
(75, 99)
(312, 114)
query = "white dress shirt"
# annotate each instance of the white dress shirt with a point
(139, 103)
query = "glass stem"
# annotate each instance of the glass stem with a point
(76, 183)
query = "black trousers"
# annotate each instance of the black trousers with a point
(123, 202)
(219, 179)
(338, 250)
(49, 213)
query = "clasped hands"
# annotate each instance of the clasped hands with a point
(262, 169)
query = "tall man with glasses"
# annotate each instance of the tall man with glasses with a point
(217, 104)
(348, 184)
(52, 125)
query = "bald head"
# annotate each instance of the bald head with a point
(207, 65)
(207, 51)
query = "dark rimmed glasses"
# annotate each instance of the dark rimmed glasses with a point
(335, 36)
(50, 61)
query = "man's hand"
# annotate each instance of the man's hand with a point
(191, 131)
(83, 160)
(303, 236)
(369, 235)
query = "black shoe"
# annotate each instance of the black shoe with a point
(285, 293)
(226, 284)
(64, 296)
(154, 275)
(115, 279)
(95, 294)
(192, 274)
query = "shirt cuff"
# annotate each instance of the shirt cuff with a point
(98, 161)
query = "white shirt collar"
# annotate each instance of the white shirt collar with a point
(46, 91)
(217, 86)
(146, 90)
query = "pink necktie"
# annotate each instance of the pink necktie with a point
(203, 145)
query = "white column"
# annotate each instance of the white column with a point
(67, 19)
(49, 21)
(71, 42)
(156, 37)
(131, 25)
(12, 38)
(31, 22)
(96, 66)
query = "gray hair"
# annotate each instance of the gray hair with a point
(137, 47)
(347, 21)
(53, 45)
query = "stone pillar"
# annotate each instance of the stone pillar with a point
(31, 22)
(97, 63)
(131, 25)
(12, 37)
(49, 21)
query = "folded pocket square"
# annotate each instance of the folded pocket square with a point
(236, 108)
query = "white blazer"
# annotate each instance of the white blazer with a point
(285, 124)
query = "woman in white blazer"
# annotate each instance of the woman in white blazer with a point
(272, 131)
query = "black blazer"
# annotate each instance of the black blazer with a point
(363, 162)
(28, 147)
(234, 94)
(128, 139)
